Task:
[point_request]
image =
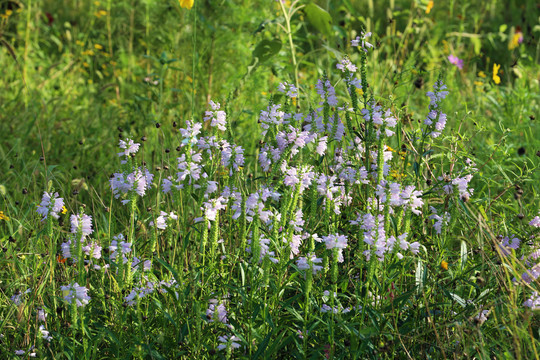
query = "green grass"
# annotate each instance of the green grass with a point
(78, 78)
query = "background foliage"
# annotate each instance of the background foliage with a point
(75, 77)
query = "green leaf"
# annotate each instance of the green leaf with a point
(463, 258)
(477, 45)
(319, 18)
(266, 49)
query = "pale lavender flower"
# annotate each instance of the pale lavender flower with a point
(19, 352)
(212, 207)
(161, 221)
(118, 245)
(361, 41)
(76, 293)
(93, 250)
(45, 333)
(336, 241)
(138, 181)
(462, 184)
(228, 341)
(311, 261)
(217, 117)
(482, 316)
(533, 302)
(345, 65)
(18, 297)
(129, 147)
(438, 94)
(535, 222)
(50, 204)
(82, 223)
(440, 221)
(289, 89)
(190, 133)
(327, 92)
(411, 197)
(42, 315)
(216, 312)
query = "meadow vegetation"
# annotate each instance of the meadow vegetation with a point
(246, 179)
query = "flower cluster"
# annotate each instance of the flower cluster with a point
(76, 293)
(436, 119)
(216, 116)
(289, 89)
(50, 205)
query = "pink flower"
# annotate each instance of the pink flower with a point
(455, 61)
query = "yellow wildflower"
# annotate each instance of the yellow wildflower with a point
(482, 74)
(64, 210)
(444, 265)
(516, 40)
(186, 4)
(360, 92)
(3, 217)
(496, 78)
(102, 12)
(98, 46)
(478, 83)
(429, 6)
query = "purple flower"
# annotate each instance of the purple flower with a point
(51, 204)
(345, 65)
(161, 221)
(82, 223)
(76, 293)
(533, 302)
(305, 263)
(216, 312)
(362, 41)
(535, 222)
(456, 61)
(288, 89)
(217, 117)
(129, 147)
(226, 341)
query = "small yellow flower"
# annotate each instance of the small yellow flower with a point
(429, 6)
(516, 40)
(79, 42)
(186, 4)
(9, 13)
(102, 12)
(482, 74)
(478, 83)
(64, 210)
(388, 148)
(444, 265)
(85, 64)
(360, 92)
(3, 217)
(496, 78)
(98, 46)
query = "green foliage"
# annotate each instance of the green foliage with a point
(78, 77)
